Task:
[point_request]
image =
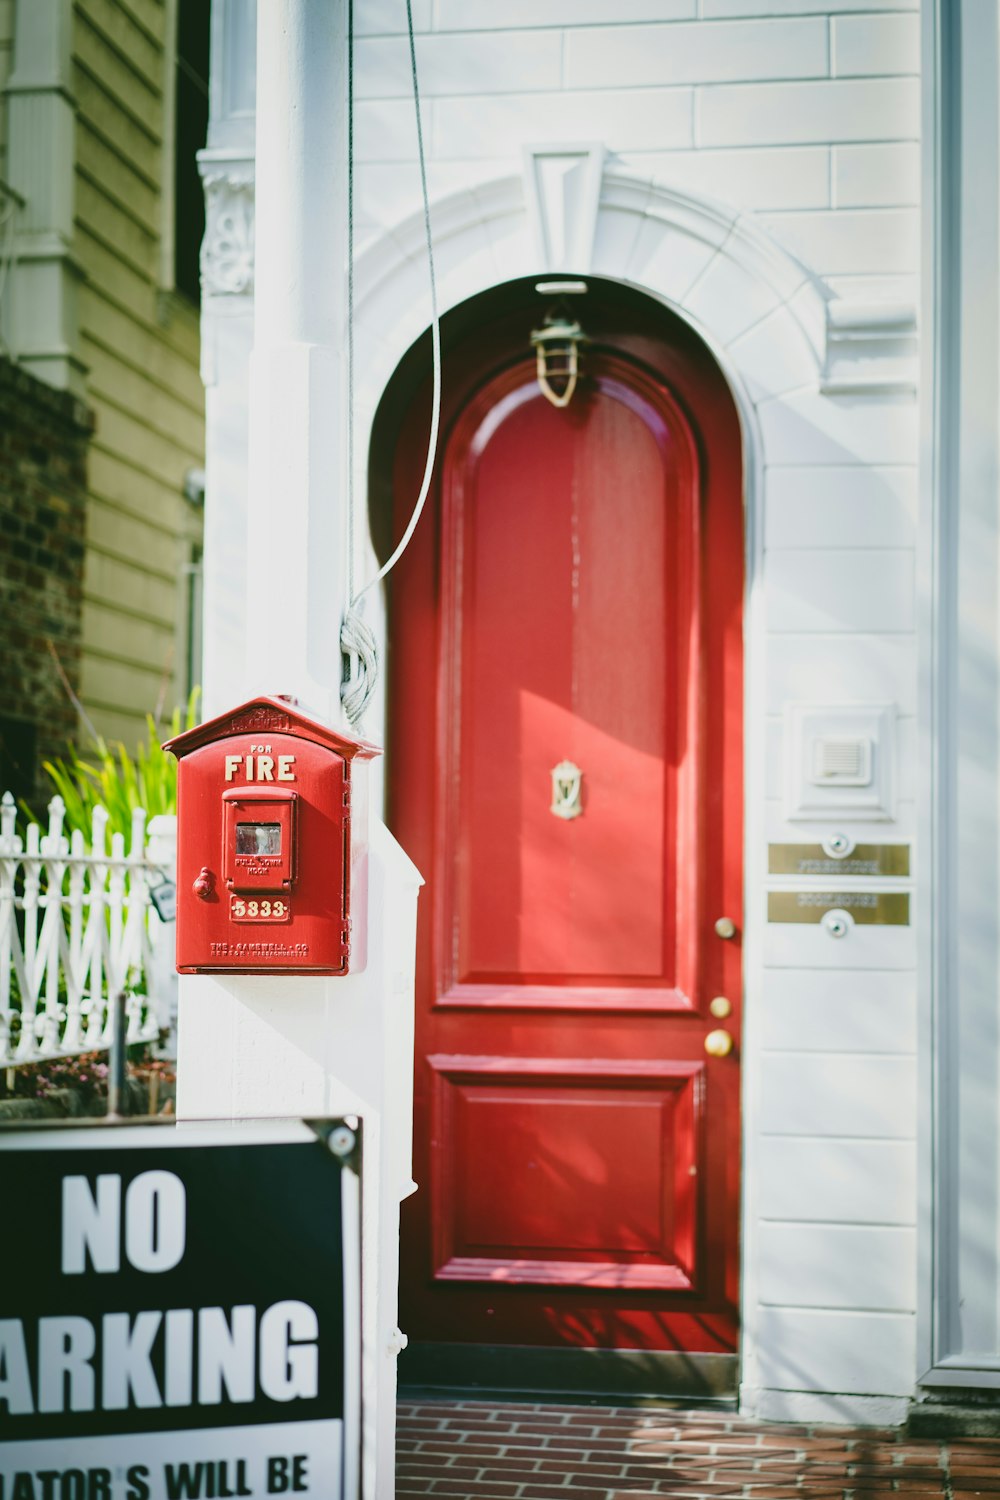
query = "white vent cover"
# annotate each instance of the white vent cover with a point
(842, 760)
(839, 761)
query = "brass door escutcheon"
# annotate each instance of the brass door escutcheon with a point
(567, 784)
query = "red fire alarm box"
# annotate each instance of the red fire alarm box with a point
(272, 829)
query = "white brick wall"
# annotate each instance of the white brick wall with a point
(805, 112)
(803, 1261)
(636, 57)
(451, 65)
(874, 507)
(863, 46)
(837, 1181)
(875, 176)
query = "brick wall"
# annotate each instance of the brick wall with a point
(44, 436)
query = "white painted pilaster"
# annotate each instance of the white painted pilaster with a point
(275, 543)
(262, 1046)
(295, 531)
(226, 347)
(227, 279)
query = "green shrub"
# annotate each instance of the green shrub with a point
(111, 777)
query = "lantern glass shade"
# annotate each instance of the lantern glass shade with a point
(557, 354)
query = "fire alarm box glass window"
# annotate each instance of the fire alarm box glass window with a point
(259, 841)
(258, 838)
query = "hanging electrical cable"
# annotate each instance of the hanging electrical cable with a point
(357, 641)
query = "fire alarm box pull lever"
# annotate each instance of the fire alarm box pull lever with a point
(271, 864)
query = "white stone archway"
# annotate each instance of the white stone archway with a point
(817, 379)
(826, 391)
(771, 321)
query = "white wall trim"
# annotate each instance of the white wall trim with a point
(932, 648)
(845, 1410)
(959, 1203)
(232, 80)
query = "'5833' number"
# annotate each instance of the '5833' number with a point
(259, 909)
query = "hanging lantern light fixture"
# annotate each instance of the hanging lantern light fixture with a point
(557, 346)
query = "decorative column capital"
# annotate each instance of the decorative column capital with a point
(227, 251)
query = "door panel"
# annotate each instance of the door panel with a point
(563, 642)
(569, 575)
(590, 1171)
(578, 601)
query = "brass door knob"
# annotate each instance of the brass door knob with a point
(718, 1043)
(725, 927)
(720, 1007)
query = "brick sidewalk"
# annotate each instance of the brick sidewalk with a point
(486, 1451)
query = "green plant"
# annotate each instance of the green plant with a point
(113, 778)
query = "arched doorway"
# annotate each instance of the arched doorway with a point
(572, 604)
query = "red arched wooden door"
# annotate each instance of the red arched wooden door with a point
(578, 606)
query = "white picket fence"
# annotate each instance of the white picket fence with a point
(77, 927)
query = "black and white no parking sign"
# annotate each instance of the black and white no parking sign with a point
(180, 1312)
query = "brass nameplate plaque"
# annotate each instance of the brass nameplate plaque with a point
(874, 908)
(890, 861)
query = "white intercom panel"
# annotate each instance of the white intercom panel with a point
(840, 761)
